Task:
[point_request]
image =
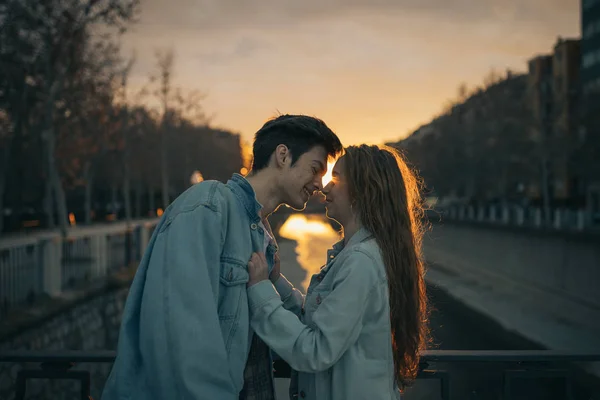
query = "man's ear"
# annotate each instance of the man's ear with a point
(283, 156)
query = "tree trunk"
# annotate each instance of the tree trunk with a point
(50, 138)
(138, 199)
(88, 176)
(60, 200)
(49, 203)
(113, 200)
(164, 169)
(151, 202)
(126, 167)
(3, 179)
(127, 192)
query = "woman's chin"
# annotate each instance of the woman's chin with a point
(329, 213)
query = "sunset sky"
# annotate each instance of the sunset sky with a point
(373, 70)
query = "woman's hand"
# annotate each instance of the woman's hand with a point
(276, 272)
(258, 269)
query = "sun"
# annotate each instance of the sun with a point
(327, 177)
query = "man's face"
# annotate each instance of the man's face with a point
(301, 180)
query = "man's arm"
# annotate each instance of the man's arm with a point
(191, 273)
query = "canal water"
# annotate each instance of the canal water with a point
(303, 242)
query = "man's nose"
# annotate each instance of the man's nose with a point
(318, 183)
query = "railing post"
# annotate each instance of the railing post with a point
(144, 238)
(51, 260)
(505, 215)
(581, 220)
(520, 216)
(99, 255)
(557, 219)
(537, 217)
(480, 213)
(492, 214)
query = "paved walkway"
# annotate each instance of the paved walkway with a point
(542, 316)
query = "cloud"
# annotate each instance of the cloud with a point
(379, 67)
(269, 14)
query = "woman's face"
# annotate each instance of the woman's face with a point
(337, 198)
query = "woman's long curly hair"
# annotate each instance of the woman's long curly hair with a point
(386, 197)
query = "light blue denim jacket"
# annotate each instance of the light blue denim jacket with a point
(337, 337)
(185, 330)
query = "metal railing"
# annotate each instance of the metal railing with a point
(46, 263)
(520, 365)
(561, 219)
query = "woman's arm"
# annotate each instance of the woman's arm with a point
(337, 322)
(292, 298)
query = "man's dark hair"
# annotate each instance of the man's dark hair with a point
(300, 133)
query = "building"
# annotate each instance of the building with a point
(554, 93)
(566, 67)
(590, 45)
(590, 85)
(541, 101)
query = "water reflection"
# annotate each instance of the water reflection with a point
(314, 236)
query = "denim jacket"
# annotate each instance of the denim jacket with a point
(338, 337)
(185, 331)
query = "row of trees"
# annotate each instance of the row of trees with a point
(71, 126)
(488, 145)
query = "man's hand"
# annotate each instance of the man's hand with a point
(258, 269)
(276, 272)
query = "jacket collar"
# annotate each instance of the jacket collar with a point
(337, 248)
(246, 196)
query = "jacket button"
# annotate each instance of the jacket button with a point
(302, 394)
(253, 226)
(318, 299)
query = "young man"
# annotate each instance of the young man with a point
(185, 330)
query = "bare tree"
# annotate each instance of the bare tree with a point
(165, 91)
(57, 30)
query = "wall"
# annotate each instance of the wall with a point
(566, 263)
(90, 324)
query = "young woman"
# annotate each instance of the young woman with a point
(358, 331)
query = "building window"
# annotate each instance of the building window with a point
(587, 60)
(591, 58)
(591, 29)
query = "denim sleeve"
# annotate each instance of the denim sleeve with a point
(337, 322)
(292, 298)
(191, 274)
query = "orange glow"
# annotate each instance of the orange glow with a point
(72, 219)
(243, 171)
(196, 178)
(327, 177)
(31, 224)
(313, 237)
(159, 212)
(297, 226)
(246, 152)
